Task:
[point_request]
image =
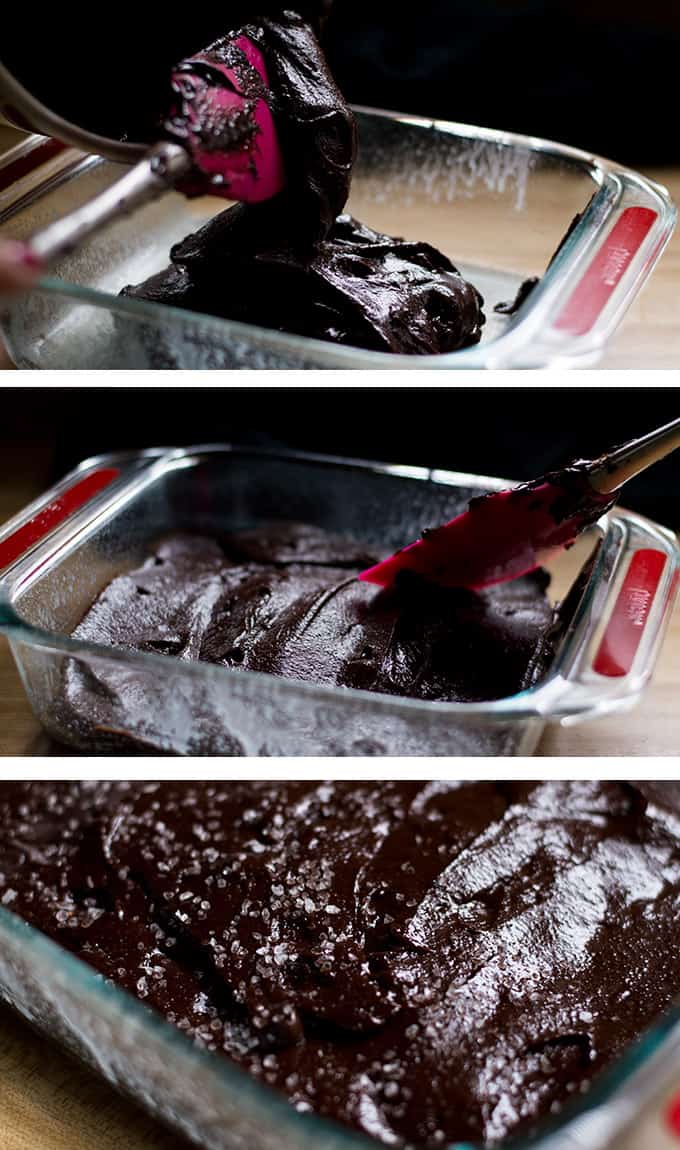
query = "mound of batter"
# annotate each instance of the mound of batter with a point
(296, 263)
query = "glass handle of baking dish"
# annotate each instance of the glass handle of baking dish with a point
(612, 277)
(620, 623)
(31, 165)
(73, 495)
(597, 273)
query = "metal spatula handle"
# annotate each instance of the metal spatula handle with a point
(149, 179)
(612, 470)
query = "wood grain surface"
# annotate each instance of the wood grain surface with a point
(49, 1102)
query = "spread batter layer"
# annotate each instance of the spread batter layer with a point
(285, 599)
(425, 962)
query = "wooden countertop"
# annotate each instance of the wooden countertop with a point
(49, 1102)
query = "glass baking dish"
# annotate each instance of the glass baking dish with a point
(60, 552)
(499, 204)
(221, 1107)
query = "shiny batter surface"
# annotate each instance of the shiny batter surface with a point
(423, 961)
(285, 599)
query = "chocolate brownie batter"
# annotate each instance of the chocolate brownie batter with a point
(425, 962)
(296, 263)
(286, 600)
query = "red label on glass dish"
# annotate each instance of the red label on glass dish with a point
(626, 626)
(673, 1115)
(594, 291)
(14, 546)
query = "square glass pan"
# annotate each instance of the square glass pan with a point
(220, 1107)
(102, 519)
(497, 203)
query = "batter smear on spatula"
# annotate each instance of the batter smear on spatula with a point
(295, 262)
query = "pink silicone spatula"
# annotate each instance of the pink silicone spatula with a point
(227, 127)
(509, 533)
(224, 144)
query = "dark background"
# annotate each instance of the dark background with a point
(598, 74)
(515, 433)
